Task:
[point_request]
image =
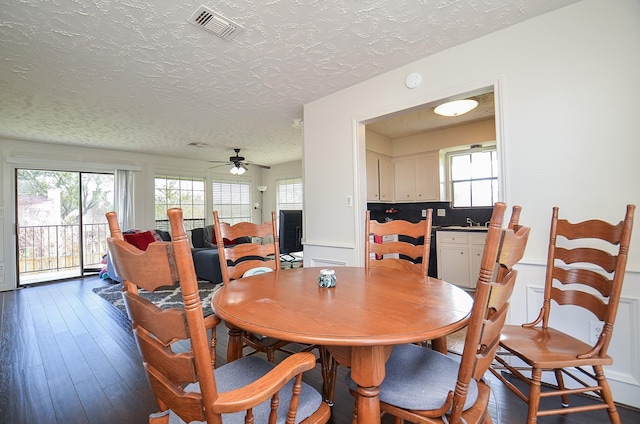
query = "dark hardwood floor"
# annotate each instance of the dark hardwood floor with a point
(68, 356)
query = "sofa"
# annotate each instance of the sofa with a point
(205, 254)
(204, 250)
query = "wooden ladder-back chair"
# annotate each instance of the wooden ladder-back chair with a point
(236, 260)
(425, 386)
(577, 267)
(210, 321)
(408, 250)
(183, 379)
(400, 254)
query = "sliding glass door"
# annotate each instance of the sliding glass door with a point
(61, 228)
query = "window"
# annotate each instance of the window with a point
(180, 192)
(232, 200)
(289, 194)
(474, 177)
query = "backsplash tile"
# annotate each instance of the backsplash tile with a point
(413, 212)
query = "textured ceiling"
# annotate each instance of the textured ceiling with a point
(134, 75)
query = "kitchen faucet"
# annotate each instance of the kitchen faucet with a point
(472, 223)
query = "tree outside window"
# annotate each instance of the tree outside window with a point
(180, 192)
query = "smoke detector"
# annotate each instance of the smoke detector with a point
(214, 22)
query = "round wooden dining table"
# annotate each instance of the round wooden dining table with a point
(359, 320)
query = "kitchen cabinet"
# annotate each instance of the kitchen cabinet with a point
(427, 178)
(404, 173)
(459, 256)
(378, 178)
(416, 179)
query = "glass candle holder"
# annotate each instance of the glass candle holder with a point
(327, 278)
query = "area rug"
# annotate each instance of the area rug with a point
(455, 341)
(165, 298)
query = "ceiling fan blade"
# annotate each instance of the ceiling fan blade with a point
(248, 162)
(219, 166)
(220, 161)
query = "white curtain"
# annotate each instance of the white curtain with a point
(124, 198)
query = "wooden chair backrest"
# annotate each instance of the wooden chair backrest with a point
(413, 257)
(156, 330)
(601, 250)
(504, 247)
(237, 259)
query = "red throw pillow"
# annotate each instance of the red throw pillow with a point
(226, 242)
(140, 240)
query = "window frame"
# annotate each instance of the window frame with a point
(229, 214)
(494, 177)
(190, 211)
(289, 205)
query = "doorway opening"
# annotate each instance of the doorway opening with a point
(417, 131)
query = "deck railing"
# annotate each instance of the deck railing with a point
(55, 248)
(49, 249)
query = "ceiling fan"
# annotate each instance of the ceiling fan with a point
(239, 163)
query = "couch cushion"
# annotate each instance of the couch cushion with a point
(140, 240)
(164, 235)
(197, 237)
(227, 242)
(207, 264)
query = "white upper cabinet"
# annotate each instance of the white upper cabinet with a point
(427, 178)
(378, 178)
(416, 179)
(384, 169)
(404, 173)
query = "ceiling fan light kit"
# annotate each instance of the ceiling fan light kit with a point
(239, 164)
(237, 170)
(456, 107)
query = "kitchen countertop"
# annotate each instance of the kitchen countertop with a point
(462, 228)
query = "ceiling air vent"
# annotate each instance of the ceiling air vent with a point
(214, 22)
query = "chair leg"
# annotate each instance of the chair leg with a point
(440, 345)
(329, 367)
(534, 395)
(606, 394)
(213, 342)
(560, 383)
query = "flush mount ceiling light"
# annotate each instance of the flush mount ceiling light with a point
(456, 107)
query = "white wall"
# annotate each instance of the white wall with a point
(567, 92)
